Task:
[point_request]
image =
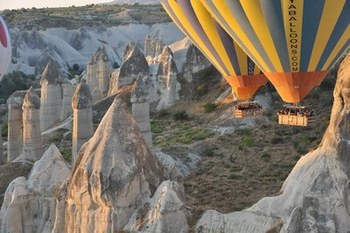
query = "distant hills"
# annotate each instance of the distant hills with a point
(135, 1)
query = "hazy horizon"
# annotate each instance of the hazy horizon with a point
(18, 4)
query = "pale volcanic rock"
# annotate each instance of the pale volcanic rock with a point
(153, 47)
(91, 77)
(167, 78)
(15, 131)
(102, 72)
(30, 205)
(133, 67)
(315, 196)
(140, 108)
(32, 140)
(114, 174)
(67, 92)
(166, 212)
(51, 95)
(195, 62)
(3, 159)
(83, 127)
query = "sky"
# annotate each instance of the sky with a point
(17, 4)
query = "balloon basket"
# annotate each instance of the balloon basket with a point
(296, 116)
(248, 109)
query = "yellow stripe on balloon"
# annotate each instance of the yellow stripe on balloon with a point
(261, 29)
(210, 30)
(293, 25)
(342, 41)
(330, 15)
(242, 59)
(232, 22)
(182, 18)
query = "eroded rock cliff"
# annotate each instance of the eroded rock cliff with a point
(30, 204)
(315, 196)
(115, 173)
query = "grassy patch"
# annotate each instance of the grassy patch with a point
(67, 155)
(247, 141)
(209, 107)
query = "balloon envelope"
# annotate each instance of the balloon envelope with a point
(236, 67)
(5, 48)
(294, 42)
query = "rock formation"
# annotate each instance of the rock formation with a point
(140, 108)
(148, 49)
(92, 82)
(114, 174)
(315, 196)
(67, 90)
(3, 159)
(102, 71)
(134, 66)
(30, 205)
(167, 79)
(82, 117)
(98, 74)
(165, 212)
(153, 47)
(32, 141)
(195, 62)
(51, 95)
(15, 132)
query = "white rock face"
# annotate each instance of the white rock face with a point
(133, 67)
(153, 46)
(15, 132)
(91, 79)
(179, 166)
(165, 212)
(98, 73)
(32, 141)
(67, 89)
(167, 78)
(195, 62)
(3, 159)
(103, 72)
(83, 127)
(243, 222)
(54, 96)
(115, 173)
(140, 108)
(30, 205)
(315, 196)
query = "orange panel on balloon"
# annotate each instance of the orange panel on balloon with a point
(245, 93)
(294, 86)
(247, 80)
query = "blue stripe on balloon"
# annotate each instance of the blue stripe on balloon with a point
(311, 22)
(339, 29)
(237, 10)
(228, 43)
(273, 14)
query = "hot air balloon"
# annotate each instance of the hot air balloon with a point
(5, 48)
(294, 42)
(237, 68)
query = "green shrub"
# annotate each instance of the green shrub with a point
(157, 126)
(210, 107)
(180, 116)
(67, 155)
(209, 152)
(276, 140)
(4, 129)
(201, 135)
(266, 157)
(202, 90)
(247, 141)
